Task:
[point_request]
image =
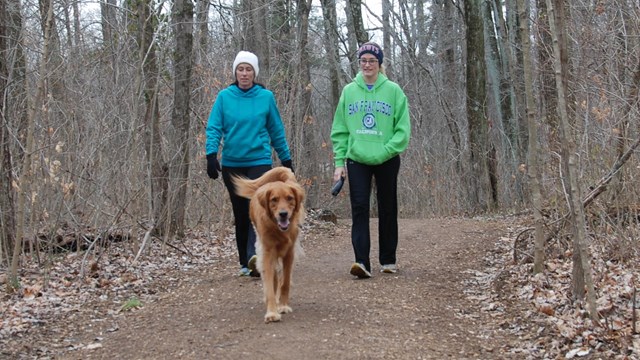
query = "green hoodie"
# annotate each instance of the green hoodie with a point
(370, 126)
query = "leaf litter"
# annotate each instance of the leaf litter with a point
(536, 308)
(563, 327)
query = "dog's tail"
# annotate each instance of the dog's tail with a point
(247, 187)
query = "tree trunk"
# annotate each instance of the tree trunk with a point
(302, 123)
(202, 30)
(581, 276)
(481, 195)
(502, 71)
(255, 33)
(17, 98)
(14, 119)
(24, 183)
(513, 82)
(356, 35)
(337, 78)
(282, 39)
(494, 70)
(109, 24)
(450, 78)
(55, 77)
(156, 166)
(67, 25)
(181, 119)
(386, 36)
(549, 97)
(627, 36)
(7, 208)
(533, 169)
(77, 29)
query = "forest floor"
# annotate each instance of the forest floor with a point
(455, 297)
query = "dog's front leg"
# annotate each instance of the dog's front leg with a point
(269, 283)
(285, 284)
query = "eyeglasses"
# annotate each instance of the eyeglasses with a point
(368, 61)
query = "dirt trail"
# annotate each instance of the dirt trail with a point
(420, 313)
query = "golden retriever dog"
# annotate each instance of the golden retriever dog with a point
(276, 211)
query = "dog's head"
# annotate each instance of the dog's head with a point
(282, 200)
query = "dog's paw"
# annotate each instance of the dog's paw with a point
(272, 317)
(284, 309)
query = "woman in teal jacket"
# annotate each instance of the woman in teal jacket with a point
(246, 120)
(371, 128)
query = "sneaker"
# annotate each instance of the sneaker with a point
(244, 272)
(358, 269)
(253, 266)
(389, 269)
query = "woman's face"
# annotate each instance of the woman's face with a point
(369, 65)
(245, 75)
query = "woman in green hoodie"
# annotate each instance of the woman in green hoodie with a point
(371, 128)
(245, 115)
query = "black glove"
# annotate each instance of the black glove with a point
(213, 166)
(289, 164)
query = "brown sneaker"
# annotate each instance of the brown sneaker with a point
(253, 266)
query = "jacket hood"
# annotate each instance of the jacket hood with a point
(359, 79)
(255, 89)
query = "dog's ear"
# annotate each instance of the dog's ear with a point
(263, 198)
(298, 192)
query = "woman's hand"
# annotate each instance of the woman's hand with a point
(213, 166)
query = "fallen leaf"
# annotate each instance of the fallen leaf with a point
(94, 346)
(546, 309)
(577, 352)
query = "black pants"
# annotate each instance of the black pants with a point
(245, 234)
(360, 176)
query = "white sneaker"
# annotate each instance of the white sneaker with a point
(244, 271)
(360, 271)
(389, 269)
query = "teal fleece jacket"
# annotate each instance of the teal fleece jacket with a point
(370, 126)
(248, 123)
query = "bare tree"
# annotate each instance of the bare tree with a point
(16, 100)
(356, 32)
(55, 83)
(497, 97)
(581, 278)
(337, 78)
(201, 29)
(7, 208)
(26, 175)
(146, 26)
(627, 47)
(481, 192)
(281, 24)
(548, 98)
(254, 17)
(448, 46)
(71, 13)
(109, 24)
(533, 169)
(303, 122)
(386, 33)
(501, 70)
(181, 118)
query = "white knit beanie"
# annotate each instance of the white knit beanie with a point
(246, 57)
